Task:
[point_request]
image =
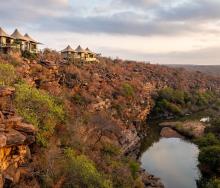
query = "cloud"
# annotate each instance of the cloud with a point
(143, 18)
(135, 20)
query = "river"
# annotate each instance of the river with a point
(174, 160)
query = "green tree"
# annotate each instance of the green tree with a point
(40, 109)
(81, 172)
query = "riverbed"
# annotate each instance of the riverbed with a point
(174, 160)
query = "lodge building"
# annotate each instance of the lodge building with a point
(17, 42)
(79, 54)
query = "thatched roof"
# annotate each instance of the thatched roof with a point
(80, 49)
(30, 39)
(89, 51)
(68, 49)
(18, 35)
(3, 33)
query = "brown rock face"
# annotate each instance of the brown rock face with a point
(15, 136)
(24, 127)
(3, 140)
(5, 91)
(188, 128)
(170, 133)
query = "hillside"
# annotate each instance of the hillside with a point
(85, 121)
(212, 70)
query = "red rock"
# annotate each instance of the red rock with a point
(5, 91)
(1, 117)
(2, 140)
(13, 121)
(170, 133)
(14, 138)
(24, 127)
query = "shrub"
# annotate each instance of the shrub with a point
(213, 183)
(134, 167)
(7, 74)
(40, 109)
(28, 55)
(81, 172)
(79, 99)
(210, 156)
(111, 150)
(128, 90)
(207, 140)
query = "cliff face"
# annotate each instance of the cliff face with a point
(118, 91)
(15, 138)
(107, 104)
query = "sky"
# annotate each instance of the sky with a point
(156, 31)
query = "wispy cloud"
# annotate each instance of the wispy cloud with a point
(139, 18)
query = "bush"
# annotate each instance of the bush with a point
(79, 99)
(7, 74)
(210, 156)
(134, 167)
(40, 109)
(207, 140)
(128, 90)
(28, 55)
(110, 149)
(81, 172)
(213, 183)
(175, 96)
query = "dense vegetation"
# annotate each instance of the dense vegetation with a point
(175, 102)
(40, 109)
(209, 156)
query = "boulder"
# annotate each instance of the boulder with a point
(1, 117)
(13, 121)
(193, 129)
(5, 91)
(24, 127)
(1, 181)
(12, 173)
(14, 138)
(2, 140)
(170, 133)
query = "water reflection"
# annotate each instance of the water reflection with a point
(174, 161)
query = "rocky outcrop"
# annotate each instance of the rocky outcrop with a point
(193, 129)
(170, 133)
(150, 181)
(14, 140)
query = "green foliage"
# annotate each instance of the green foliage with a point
(28, 55)
(40, 109)
(128, 90)
(213, 183)
(178, 102)
(134, 167)
(7, 74)
(210, 156)
(207, 140)
(203, 98)
(175, 96)
(110, 149)
(82, 172)
(78, 99)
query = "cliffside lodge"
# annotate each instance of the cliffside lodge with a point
(79, 54)
(17, 42)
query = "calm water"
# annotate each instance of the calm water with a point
(174, 161)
